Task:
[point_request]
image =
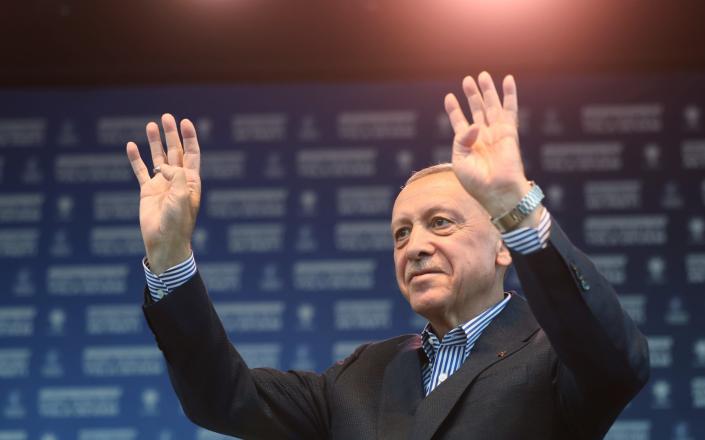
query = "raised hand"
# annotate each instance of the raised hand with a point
(486, 157)
(169, 199)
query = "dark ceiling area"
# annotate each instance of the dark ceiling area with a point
(72, 42)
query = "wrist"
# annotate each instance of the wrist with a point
(525, 213)
(160, 261)
(503, 201)
(532, 220)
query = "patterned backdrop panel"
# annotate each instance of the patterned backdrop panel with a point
(293, 235)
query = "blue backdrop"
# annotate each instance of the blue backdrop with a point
(293, 236)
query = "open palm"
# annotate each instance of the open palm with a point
(169, 200)
(486, 157)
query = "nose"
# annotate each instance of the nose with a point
(419, 244)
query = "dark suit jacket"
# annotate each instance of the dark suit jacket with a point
(561, 365)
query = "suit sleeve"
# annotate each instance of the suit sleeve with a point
(603, 359)
(214, 385)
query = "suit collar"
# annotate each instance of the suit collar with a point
(509, 332)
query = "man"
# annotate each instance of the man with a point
(488, 365)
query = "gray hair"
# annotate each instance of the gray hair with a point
(433, 169)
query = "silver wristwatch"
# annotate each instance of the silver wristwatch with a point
(527, 205)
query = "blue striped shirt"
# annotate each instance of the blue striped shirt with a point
(445, 357)
(160, 285)
(523, 240)
(527, 240)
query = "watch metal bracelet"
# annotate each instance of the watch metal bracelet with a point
(509, 221)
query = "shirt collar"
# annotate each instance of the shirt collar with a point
(464, 334)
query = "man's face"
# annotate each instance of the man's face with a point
(446, 250)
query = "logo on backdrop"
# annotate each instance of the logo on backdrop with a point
(681, 431)
(555, 196)
(274, 166)
(306, 239)
(51, 364)
(656, 267)
(200, 241)
(405, 162)
(699, 353)
(23, 284)
(57, 321)
(677, 313)
(271, 279)
(14, 407)
(67, 136)
(305, 314)
(309, 130)
(692, 117)
(551, 124)
(32, 171)
(651, 156)
(696, 230)
(303, 358)
(308, 203)
(204, 125)
(661, 394)
(150, 402)
(60, 244)
(64, 207)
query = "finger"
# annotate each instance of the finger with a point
(477, 105)
(155, 144)
(167, 171)
(175, 175)
(465, 142)
(455, 114)
(511, 102)
(493, 107)
(175, 152)
(179, 181)
(192, 152)
(138, 167)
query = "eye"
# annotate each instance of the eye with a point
(440, 223)
(401, 233)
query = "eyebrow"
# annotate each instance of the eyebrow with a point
(430, 212)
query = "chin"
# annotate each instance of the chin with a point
(428, 303)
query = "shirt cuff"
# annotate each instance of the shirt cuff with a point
(161, 285)
(528, 240)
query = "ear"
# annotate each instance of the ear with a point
(503, 258)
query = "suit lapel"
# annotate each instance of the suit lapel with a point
(402, 391)
(507, 333)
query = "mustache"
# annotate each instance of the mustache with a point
(420, 267)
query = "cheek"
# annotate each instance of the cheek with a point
(399, 268)
(480, 257)
(471, 256)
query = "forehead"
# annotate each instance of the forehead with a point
(437, 190)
